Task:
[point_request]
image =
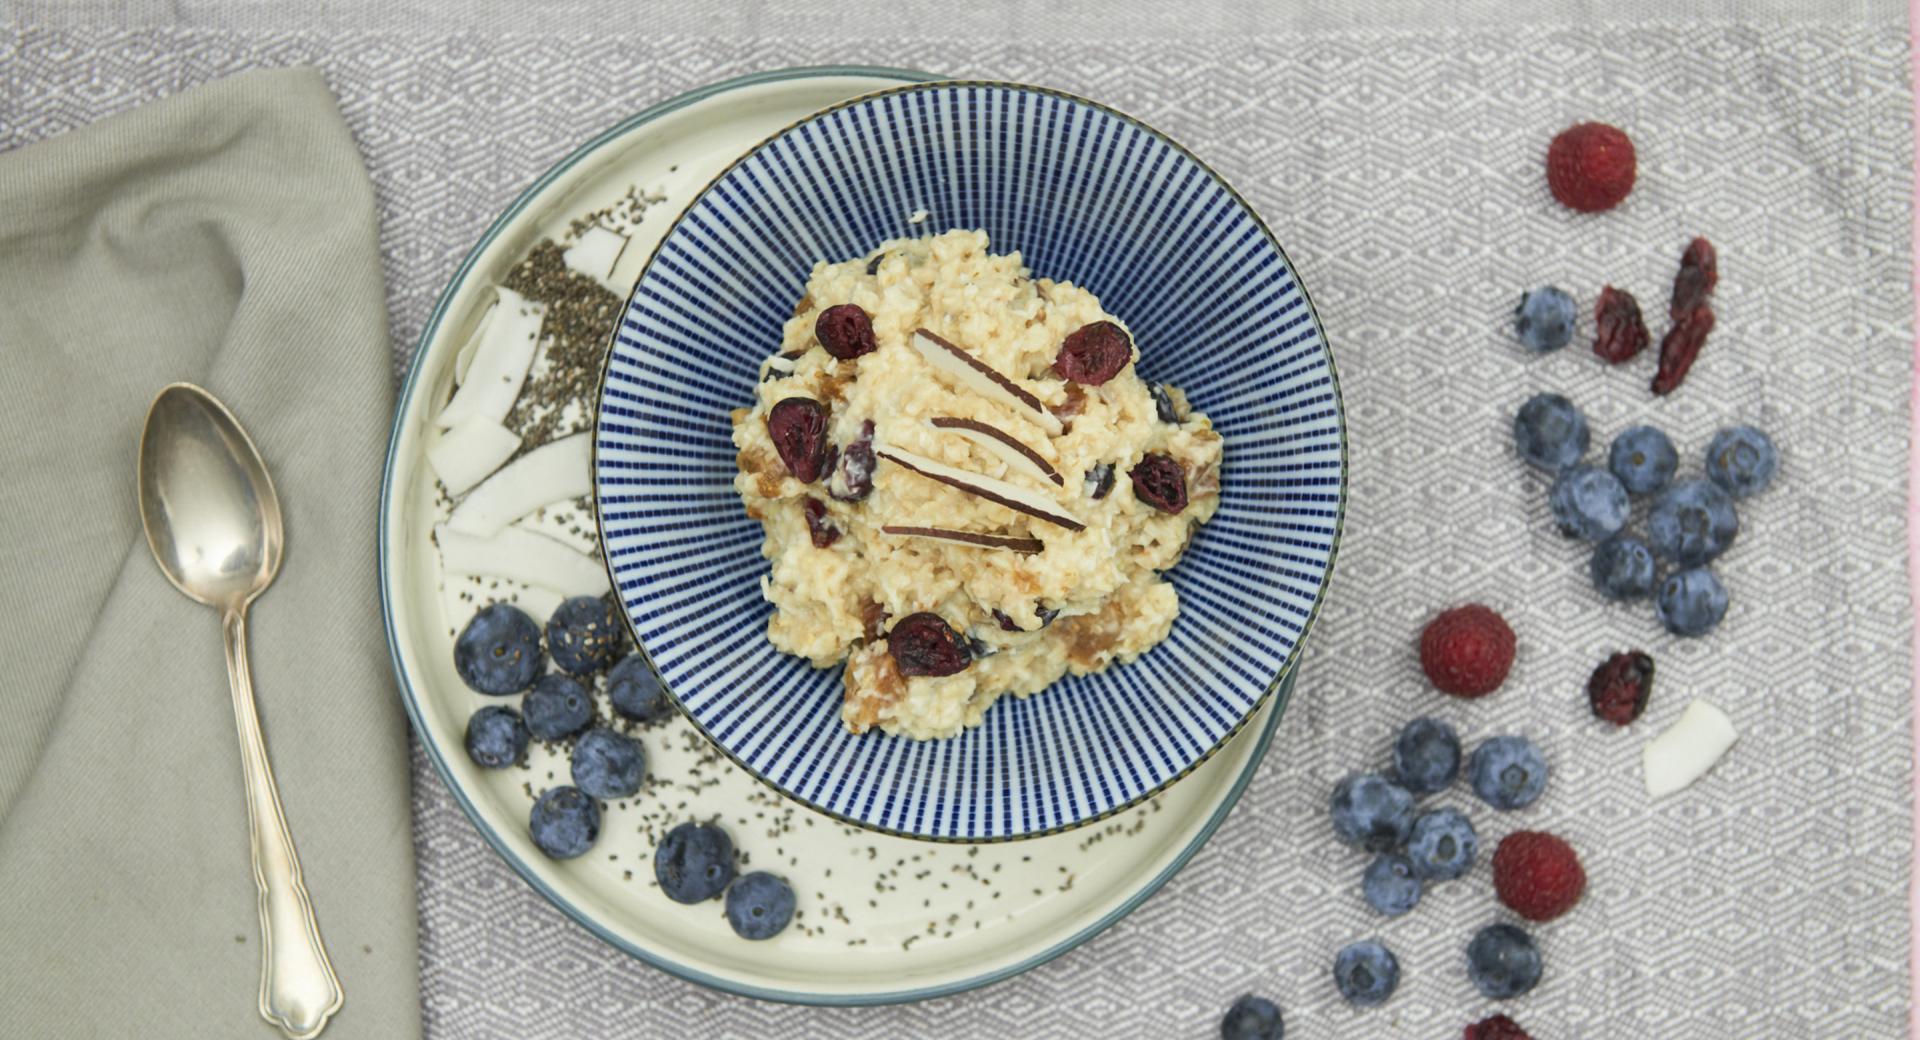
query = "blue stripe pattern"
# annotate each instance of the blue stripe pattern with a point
(1086, 195)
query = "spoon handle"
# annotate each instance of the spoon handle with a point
(298, 989)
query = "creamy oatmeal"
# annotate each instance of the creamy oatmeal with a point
(966, 487)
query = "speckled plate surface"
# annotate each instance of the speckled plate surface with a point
(881, 919)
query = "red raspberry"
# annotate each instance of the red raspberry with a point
(1590, 167)
(1467, 651)
(1537, 875)
(1499, 1027)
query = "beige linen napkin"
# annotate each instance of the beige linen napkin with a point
(227, 237)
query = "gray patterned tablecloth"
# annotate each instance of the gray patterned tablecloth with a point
(1399, 159)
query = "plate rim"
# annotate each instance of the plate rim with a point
(1287, 668)
(410, 698)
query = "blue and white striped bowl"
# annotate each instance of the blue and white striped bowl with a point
(1086, 195)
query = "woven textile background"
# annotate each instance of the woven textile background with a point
(1401, 168)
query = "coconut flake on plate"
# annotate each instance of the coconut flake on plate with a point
(975, 375)
(1001, 445)
(463, 360)
(595, 254)
(993, 489)
(520, 555)
(1687, 749)
(558, 469)
(468, 453)
(507, 343)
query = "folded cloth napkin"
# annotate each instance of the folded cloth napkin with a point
(225, 237)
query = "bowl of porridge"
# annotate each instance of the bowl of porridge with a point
(969, 461)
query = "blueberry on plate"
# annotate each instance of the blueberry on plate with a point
(1371, 812)
(498, 653)
(1502, 961)
(635, 691)
(1691, 602)
(1426, 757)
(694, 862)
(1549, 432)
(1643, 458)
(584, 635)
(1544, 319)
(1692, 522)
(1252, 1018)
(1507, 772)
(496, 737)
(1742, 460)
(557, 707)
(1390, 885)
(564, 822)
(1366, 973)
(608, 765)
(1442, 845)
(1622, 568)
(1588, 502)
(759, 905)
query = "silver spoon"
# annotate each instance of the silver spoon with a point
(213, 522)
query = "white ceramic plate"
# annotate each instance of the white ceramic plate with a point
(882, 919)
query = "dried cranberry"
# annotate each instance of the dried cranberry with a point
(1619, 688)
(1163, 404)
(1680, 346)
(798, 427)
(1093, 354)
(1161, 482)
(924, 644)
(1699, 273)
(852, 479)
(845, 331)
(1622, 333)
(1100, 480)
(821, 528)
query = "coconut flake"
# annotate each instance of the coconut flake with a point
(977, 376)
(985, 541)
(463, 360)
(466, 454)
(1001, 445)
(1687, 749)
(596, 252)
(499, 364)
(557, 470)
(520, 555)
(993, 489)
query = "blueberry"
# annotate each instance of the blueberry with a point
(1550, 432)
(1390, 885)
(608, 765)
(1252, 1018)
(636, 692)
(1502, 961)
(1371, 812)
(557, 707)
(584, 635)
(1622, 568)
(1588, 503)
(1692, 522)
(1643, 458)
(498, 653)
(496, 737)
(1544, 320)
(1366, 973)
(1163, 404)
(1507, 772)
(1742, 461)
(1426, 758)
(1442, 845)
(564, 822)
(759, 905)
(694, 862)
(1691, 602)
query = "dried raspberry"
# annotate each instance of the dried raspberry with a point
(1161, 482)
(1699, 273)
(1621, 332)
(1537, 875)
(1590, 167)
(818, 526)
(1467, 651)
(1499, 1027)
(1093, 354)
(1619, 688)
(852, 479)
(798, 427)
(845, 331)
(924, 644)
(1679, 347)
